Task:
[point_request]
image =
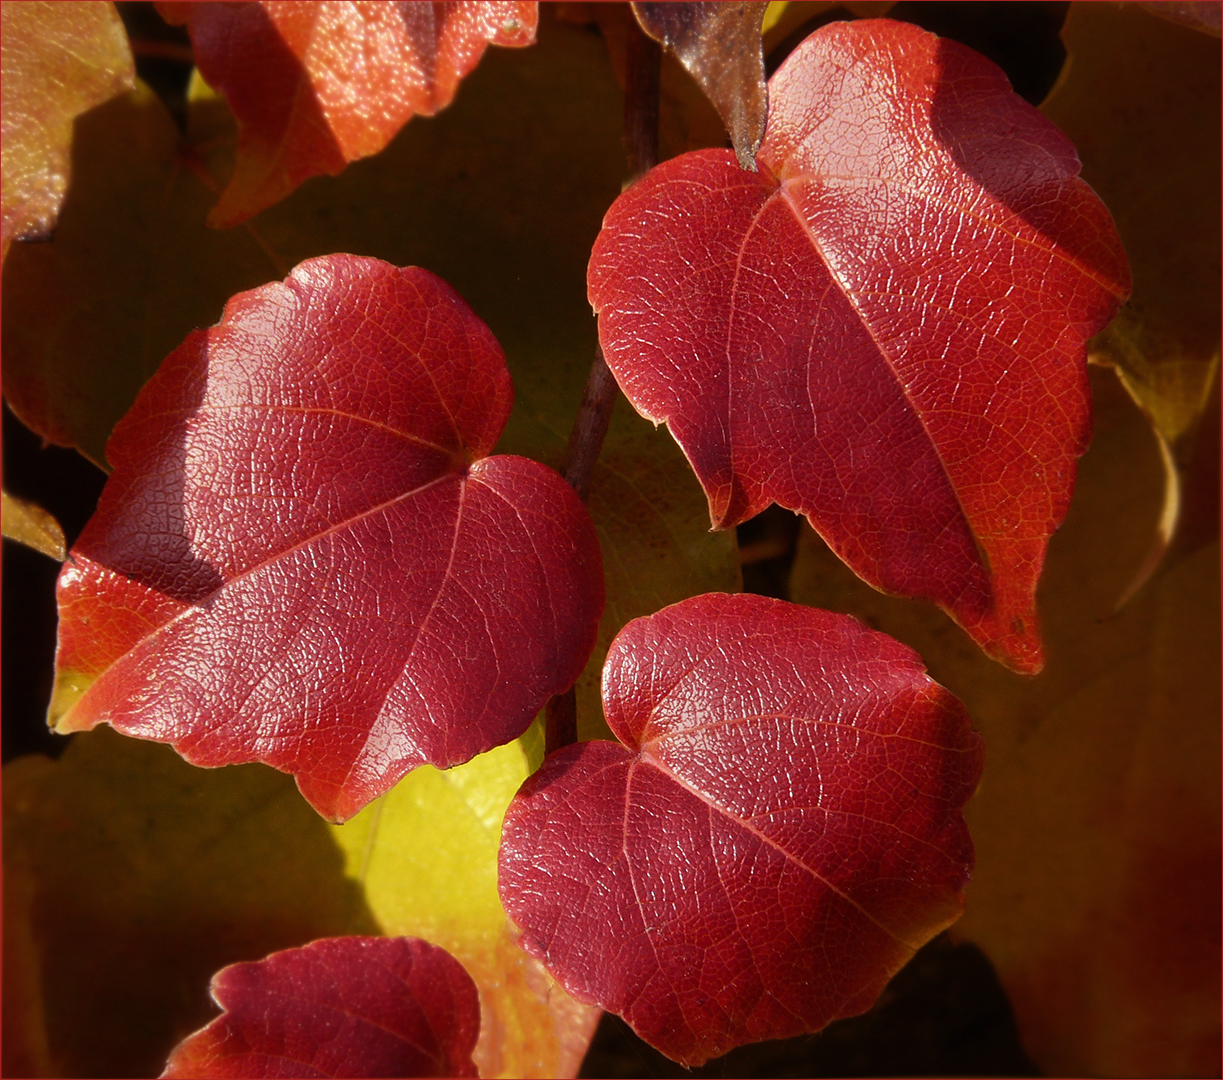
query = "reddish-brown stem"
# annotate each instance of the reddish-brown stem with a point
(642, 67)
(590, 427)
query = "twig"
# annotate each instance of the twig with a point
(594, 415)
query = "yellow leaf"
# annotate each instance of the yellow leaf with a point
(29, 524)
(131, 877)
(58, 60)
(425, 855)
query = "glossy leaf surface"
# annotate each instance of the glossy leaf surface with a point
(315, 85)
(482, 194)
(1096, 893)
(342, 1007)
(425, 858)
(720, 46)
(304, 556)
(58, 61)
(884, 329)
(777, 835)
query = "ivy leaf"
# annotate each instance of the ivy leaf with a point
(304, 556)
(778, 834)
(884, 329)
(425, 857)
(130, 877)
(58, 61)
(720, 46)
(132, 271)
(339, 1007)
(315, 85)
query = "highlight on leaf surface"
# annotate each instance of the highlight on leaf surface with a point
(58, 60)
(1096, 891)
(340, 1007)
(777, 833)
(884, 329)
(304, 556)
(316, 84)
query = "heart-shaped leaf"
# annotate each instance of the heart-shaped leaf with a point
(316, 84)
(59, 60)
(338, 1007)
(780, 831)
(304, 556)
(885, 328)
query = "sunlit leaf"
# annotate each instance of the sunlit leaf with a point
(29, 524)
(305, 556)
(776, 833)
(343, 1007)
(132, 271)
(425, 855)
(1097, 887)
(885, 328)
(316, 84)
(483, 195)
(58, 60)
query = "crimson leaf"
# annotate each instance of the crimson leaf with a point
(780, 831)
(884, 328)
(304, 556)
(352, 1006)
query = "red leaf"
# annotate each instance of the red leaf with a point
(342, 1007)
(303, 556)
(780, 835)
(885, 328)
(316, 84)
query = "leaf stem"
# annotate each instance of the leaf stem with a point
(642, 67)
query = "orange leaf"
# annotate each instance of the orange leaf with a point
(317, 85)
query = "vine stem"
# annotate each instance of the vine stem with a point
(643, 59)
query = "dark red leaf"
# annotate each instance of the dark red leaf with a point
(316, 84)
(304, 556)
(352, 1006)
(778, 835)
(720, 46)
(885, 328)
